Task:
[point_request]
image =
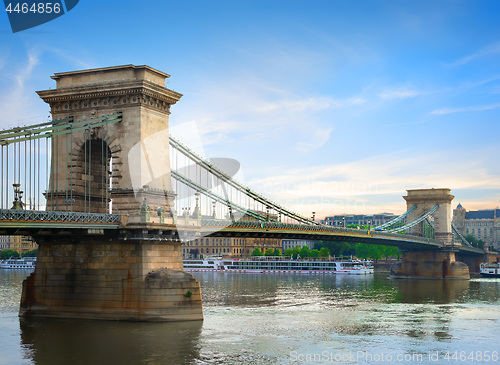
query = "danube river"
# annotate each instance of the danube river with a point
(278, 319)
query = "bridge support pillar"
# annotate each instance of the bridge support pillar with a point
(111, 279)
(430, 265)
(474, 261)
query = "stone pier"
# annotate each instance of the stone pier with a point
(430, 265)
(111, 278)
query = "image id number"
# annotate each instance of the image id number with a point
(463, 356)
(37, 8)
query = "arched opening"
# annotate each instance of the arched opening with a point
(93, 176)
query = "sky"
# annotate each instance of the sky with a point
(330, 106)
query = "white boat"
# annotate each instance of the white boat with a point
(490, 270)
(26, 263)
(271, 264)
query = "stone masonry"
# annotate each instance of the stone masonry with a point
(139, 93)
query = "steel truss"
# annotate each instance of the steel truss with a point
(397, 219)
(217, 197)
(416, 221)
(240, 187)
(462, 238)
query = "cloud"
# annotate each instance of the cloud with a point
(256, 112)
(398, 94)
(477, 108)
(375, 184)
(17, 97)
(317, 139)
(489, 50)
(310, 104)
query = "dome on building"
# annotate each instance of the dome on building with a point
(459, 206)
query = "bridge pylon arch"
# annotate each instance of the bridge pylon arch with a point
(425, 200)
(138, 143)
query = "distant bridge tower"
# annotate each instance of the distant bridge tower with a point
(137, 147)
(425, 200)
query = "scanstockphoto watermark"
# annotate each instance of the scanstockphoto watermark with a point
(29, 14)
(381, 357)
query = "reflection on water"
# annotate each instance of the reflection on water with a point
(262, 318)
(430, 291)
(59, 341)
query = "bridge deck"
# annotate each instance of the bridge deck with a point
(26, 222)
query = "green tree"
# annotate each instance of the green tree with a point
(314, 253)
(32, 253)
(474, 241)
(324, 252)
(289, 252)
(5, 254)
(296, 251)
(363, 251)
(388, 251)
(336, 248)
(305, 251)
(277, 252)
(269, 252)
(257, 252)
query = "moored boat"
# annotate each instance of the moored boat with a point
(281, 264)
(24, 263)
(490, 270)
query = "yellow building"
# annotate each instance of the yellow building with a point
(227, 247)
(20, 244)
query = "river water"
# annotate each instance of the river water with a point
(278, 319)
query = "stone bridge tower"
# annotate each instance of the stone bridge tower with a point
(438, 263)
(137, 147)
(425, 200)
(133, 271)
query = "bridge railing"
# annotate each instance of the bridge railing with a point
(41, 215)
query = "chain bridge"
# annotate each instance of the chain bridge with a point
(110, 196)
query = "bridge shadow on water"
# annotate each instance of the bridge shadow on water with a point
(60, 341)
(430, 291)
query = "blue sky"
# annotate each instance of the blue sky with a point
(330, 106)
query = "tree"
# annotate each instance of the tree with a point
(305, 251)
(277, 252)
(363, 251)
(474, 241)
(314, 253)
(257, 252)
(269, 252)
(336, 248)
(324, 252)
(388, 251)
(289, 252)
(32, 253)
(5, 254)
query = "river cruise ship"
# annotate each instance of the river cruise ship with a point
(490, 270)
(265, 264)
(18, 264)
